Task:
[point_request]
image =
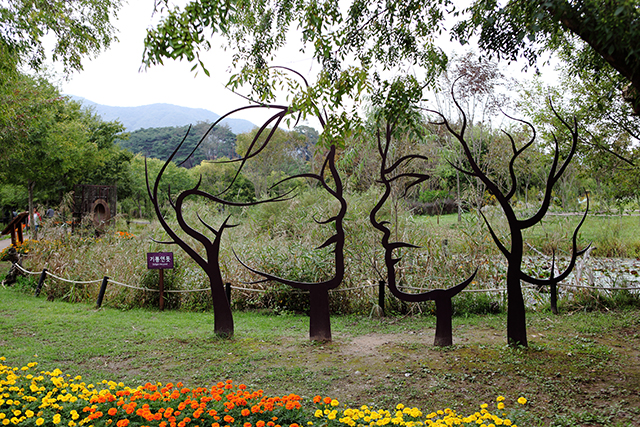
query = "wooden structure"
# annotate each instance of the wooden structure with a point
(15, 229)
(99, 201)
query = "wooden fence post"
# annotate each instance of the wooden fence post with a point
(103, 289)
(43, 276)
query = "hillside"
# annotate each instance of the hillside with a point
(159, 143)
(161, 115)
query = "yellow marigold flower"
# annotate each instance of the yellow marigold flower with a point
(334, 402)
(522, 400)
(500, 405)
(484, 406)
(399, 406)
(318, 413)
(39, 421)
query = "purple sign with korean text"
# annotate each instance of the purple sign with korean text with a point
(159, 260)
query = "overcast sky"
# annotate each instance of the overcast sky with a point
(115, 77)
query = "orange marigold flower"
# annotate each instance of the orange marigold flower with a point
(327, 400)
(242, 387)
(245, 412)
(246, 424)
(260, 423)
(215, 425)
(123, 423)
(228, 419)
(112, 411)
(317, 399)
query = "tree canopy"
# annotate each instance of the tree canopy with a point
(356, 46)
(592, 36)
(77, 28)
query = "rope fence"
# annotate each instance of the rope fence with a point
(381, 286)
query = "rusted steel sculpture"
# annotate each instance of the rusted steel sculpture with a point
(513, 252)
(442, 297)
(319, 316)
(223, 318)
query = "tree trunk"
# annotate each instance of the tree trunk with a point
(516, 317)
(222, 316)
(319, 318)
(458, 201)
(444, 330)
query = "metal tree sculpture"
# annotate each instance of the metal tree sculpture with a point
(442, 297)
(223, 318)
(319, 318)
(516, 321)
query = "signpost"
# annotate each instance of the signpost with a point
(160, 261)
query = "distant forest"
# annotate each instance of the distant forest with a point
(159, 143)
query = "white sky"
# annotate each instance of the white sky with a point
(115, 77)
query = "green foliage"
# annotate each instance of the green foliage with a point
(472, 303)
(12, 197)
(174, 178)
(593, 36)
(151, 280)
(593, 300)
(77, 29)
(159, 143)
(429, 196)
(26, 284)
(286, 154)
(52, 143)
(216, 178)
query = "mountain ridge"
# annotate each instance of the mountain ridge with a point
(161, 115)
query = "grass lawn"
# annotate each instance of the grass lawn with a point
(581, 369)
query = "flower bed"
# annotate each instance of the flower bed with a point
(31, 398)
